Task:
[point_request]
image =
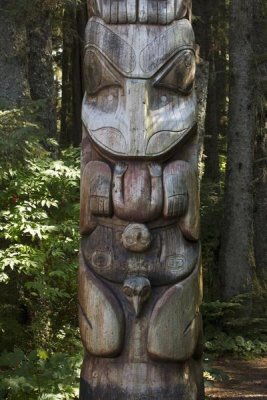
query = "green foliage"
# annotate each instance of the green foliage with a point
(39, 203)
(39, 375)
(39, 197)
(224, 329)
(238, 346)
(39, 244)
(18, 127)
(39, 227)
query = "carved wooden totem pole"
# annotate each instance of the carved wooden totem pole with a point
(140, 275)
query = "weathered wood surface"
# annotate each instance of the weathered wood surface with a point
(140, 11)
(140, 270)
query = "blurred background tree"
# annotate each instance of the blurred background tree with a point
(41, 52)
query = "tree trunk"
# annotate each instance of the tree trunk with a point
(66, 100)
(212, 169)
(74, 22)
(41, 75)
(236, 254)
(77, 81)
(260, 204)
(13, 61)
(200, 26)
(204, 27)
(260, 165)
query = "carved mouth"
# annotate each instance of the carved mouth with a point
(112, 142)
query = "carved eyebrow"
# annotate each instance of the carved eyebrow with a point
(113, 73)
(174, 39)
(168, 66)
(111, 46)
(151, 57)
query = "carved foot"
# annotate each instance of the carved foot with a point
(155, 170)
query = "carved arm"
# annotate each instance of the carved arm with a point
(181, 198)
(95, 195)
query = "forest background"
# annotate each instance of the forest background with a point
(41, 88)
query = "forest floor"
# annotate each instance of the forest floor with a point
(241, 380)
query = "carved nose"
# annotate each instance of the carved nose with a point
(138, 110)
(136, 301)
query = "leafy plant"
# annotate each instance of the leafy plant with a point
(224, 329)
(39, 236)
(39, 375)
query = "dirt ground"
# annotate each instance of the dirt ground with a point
(245, 380)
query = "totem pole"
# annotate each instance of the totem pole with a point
(140, 268)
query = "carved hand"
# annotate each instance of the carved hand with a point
(177, 205)
(120, 169)
(176, 196)
(155, 169)
(100, 205)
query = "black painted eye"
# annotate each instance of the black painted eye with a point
(181, 76)
(96, 75)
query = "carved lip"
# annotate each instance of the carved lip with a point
(120, 149)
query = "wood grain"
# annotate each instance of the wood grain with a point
(175, 322)
(140, 283)
(160, 12)
(101, 318)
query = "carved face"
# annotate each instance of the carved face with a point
(136, 237)
(139, 80)
(137, 290)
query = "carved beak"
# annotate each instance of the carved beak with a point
(136, 301)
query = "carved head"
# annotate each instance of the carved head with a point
(137, 290)
(139, 71)
(136, 237)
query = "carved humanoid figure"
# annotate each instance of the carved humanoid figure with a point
(140, 276)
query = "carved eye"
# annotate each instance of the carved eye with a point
(146, 291)
(96, 75)
(127, 291)
(182, 74)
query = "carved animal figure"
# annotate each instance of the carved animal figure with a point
(137, 290)
(140, 276)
